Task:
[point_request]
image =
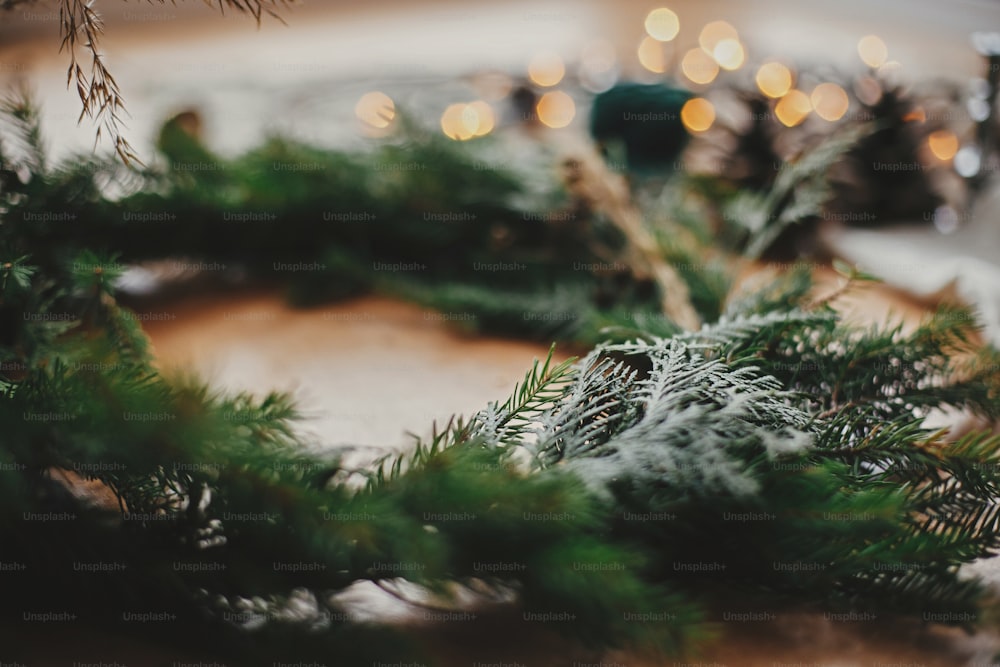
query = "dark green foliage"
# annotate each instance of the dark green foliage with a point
(213, 491)
(800, 192)
(774, 452)
(722, 457)
(882, 180)
(776, 441)
(224, 482)
(415, 217)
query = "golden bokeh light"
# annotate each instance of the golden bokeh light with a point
(699, 67)
(729, 54)
(556, 109)
(651, 55)
(715, 32)
(454, 122)
(830, 101)
(943, 144)
(662, 24)
(873, 50)
(376, 110)
(697, 114)
(485, 119)
(916, 115)
(774, 79)
(546, 69)
(793, 108)
(462, 121)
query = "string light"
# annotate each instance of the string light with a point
(555, 109)
(375, 110)
(873, 51)
(774, 79)
(729, 54)
(485, 119)
(651, 55)
(715, 32)
(699, 67)
(793, 108)
(463, 121)
(546, 69)
(830, 101)
(943, 144)
(453, 123)
(662, 24)
(697, 114)
(917, 115)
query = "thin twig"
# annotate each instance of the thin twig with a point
(601, 190)
(100, 97)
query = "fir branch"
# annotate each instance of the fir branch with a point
(590, 412)
(101, 100)
(799, 192)
(500, 425)
(690, 421)
(15, 276)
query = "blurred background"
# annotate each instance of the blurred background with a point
(766, 80)
(340, 75)
(305, 77)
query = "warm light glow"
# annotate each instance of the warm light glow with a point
(546, 69)
(872, 50)
(697, 114)
(662, 24)
(470, 120)
(556, 109)
(715, 32)
(376, 110)
(465, 121)
(774, 79)
(485, 119)
(793, 108)
(651, 55)
(455, 122)
(943, 144)
(830, 101)
(699, 67)
(729, 54)
(917, 115)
